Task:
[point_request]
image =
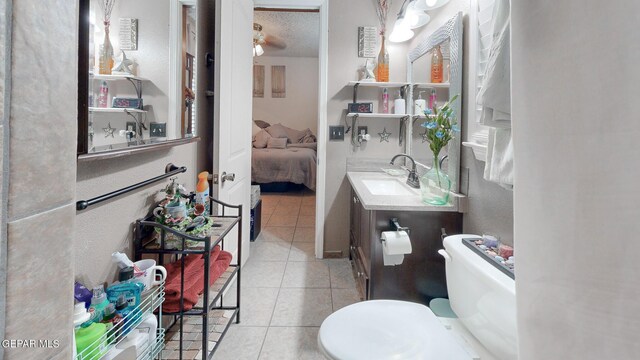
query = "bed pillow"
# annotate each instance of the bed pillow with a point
(294, 136)
(261, 139)
(308, 137)
(277, 131)
(277, 143)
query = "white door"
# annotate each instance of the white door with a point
(233, 109)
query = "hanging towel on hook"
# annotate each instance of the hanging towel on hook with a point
(495, 98)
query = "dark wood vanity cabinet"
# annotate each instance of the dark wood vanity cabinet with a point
(421, 276)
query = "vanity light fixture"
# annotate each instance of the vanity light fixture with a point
(425, 5)
(410, 17)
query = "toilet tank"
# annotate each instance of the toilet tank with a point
(482, 297)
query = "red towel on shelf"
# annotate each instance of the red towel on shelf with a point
(193, 278)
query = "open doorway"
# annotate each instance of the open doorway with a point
(286, 83)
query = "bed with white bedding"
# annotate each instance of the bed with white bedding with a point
(282, 154)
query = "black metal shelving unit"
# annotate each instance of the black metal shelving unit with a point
(146, 243)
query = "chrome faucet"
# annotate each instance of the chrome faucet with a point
(412, 179)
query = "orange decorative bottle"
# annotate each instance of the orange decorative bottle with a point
(202, 194)
(382, 71)
(436, 65)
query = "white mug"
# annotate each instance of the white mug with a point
(153, 274)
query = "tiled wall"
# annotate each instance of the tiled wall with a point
(40, 213)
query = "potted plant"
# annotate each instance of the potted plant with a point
(440, 127)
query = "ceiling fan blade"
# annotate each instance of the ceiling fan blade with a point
(275, 42)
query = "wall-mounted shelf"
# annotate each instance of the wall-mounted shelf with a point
(114, 77)
(431, 85)
(378, 115)
(479, 150)
(378, 84)
(115, 110)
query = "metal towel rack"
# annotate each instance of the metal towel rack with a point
(169, 170)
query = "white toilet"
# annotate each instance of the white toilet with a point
(481, 296)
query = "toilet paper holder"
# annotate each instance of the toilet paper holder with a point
(393, 222)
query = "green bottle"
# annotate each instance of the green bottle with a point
(89, 339)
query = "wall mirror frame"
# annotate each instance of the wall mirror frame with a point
(451, 33)
(165, 58)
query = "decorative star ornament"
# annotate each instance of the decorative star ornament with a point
(424, 136)
(123, 65)
(384, 135)
(108, 131)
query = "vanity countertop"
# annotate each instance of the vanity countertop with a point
(406, 197)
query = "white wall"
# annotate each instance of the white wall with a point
(299, 109)
(343, 67)
(576, 129)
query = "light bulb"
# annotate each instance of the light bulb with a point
(401, 31)
(259, 50)
(411, 18)
(415, 17)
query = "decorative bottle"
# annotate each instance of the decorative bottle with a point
(382, 71)
(436, 65)
(106, 53)
(103, 95)
(385, 101)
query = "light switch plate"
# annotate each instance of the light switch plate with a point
(158, 130)
(336, 133)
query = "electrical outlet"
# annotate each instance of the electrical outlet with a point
(131, 126)
(158, 130)
(362, 130)
(336, 133)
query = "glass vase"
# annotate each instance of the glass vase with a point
(435, 185)
(105, 59)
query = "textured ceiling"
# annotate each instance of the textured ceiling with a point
(300, 31)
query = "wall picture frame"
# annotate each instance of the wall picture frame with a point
(258, 81)
(278, 81)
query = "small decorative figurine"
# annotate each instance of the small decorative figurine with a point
(108, 131)
(123, 65)
(369, 76)
(384, 135)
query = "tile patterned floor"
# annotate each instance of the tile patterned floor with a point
(286, 291)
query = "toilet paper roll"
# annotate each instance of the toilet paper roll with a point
(395, 245)
(396, 242)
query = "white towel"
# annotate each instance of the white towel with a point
(495, 98)
(499, 165)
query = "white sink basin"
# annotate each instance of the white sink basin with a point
(386, 187)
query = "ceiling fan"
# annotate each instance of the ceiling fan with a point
(260, 40)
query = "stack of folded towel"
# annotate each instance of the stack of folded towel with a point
(193, 278)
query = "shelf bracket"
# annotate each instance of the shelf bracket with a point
(403, 127)
(137, 85)
(354, 135)
(355, 92)
(403, 91)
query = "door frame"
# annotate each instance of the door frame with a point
(323, 74)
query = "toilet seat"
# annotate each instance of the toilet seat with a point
(387, 329)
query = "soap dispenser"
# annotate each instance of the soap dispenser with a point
(399, 105)
(420, 105)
